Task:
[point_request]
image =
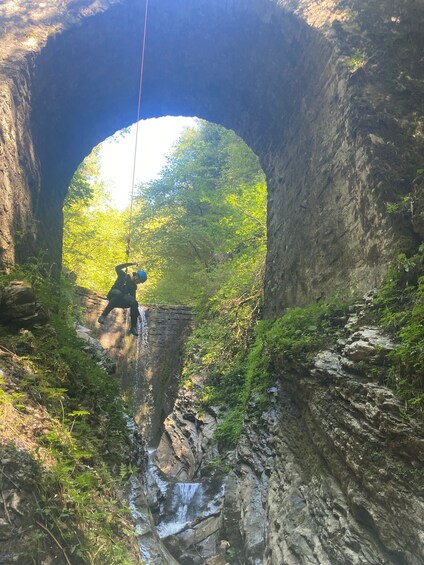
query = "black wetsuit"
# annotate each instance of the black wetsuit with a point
(122, 294)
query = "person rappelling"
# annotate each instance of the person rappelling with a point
(122, 294)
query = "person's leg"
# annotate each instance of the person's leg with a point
(135, 313)
(132, 304)
(116, 300)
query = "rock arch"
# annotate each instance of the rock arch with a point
(255, 67)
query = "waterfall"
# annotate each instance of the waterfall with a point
(142, 383)
(185, 502)
(152, 551)
(141, 519)
(162, 507)
(181, 504)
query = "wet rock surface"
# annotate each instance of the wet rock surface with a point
(189, 485)
(367, 344)
(186, 446)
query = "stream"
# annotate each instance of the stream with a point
(162, 507)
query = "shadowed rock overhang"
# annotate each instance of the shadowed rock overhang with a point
(335, 147)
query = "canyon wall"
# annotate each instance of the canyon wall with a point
(329, 96)
(148, 366)
(330, 474)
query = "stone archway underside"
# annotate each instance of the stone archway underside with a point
(254, 67)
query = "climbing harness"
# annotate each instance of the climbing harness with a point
(140, 88)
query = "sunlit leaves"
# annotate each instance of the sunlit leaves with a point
(94, 231)
(205, 209)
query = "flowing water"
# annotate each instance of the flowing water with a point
(177, 505)
(143, 386)
(185, 503)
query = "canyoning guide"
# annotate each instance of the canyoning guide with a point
(122, 294)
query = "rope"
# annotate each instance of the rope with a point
(140, 88)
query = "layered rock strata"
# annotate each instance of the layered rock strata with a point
(19, 306)
(328, 94)
(336, 473)
(331, 475)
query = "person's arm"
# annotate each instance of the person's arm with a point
(119, 268)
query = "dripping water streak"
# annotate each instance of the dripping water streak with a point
(143, 386)
(140, 519)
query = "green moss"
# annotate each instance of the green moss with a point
(357, 60)
(302, 331)
(400, 311)
(240, 367)
(229, 429)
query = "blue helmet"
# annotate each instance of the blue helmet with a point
(142, 276)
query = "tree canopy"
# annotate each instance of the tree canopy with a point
(94, 231)
(203, 213)
(196, 226)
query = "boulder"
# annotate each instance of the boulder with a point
(18, 305)
(368, 344)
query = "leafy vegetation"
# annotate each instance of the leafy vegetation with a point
(357, 60)
(94, 231)
(400, 310)
(204, 213)
(219, 346)
(206, 207)
(81, 446)
(248, 375)
(202, 227)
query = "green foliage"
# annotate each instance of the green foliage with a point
(402, 207)
(218, 347)
(400, 310)
(240, 365)
(207, 206)
(293, 337)
(304, 330)
(357, 60)
(230, 427)
(80, 189)
(95, 233)
(84, 442)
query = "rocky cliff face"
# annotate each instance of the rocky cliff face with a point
(327, 94)
(342, 155)
(149, 367)
(345, 483)
(332, 474)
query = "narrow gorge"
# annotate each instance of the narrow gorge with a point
(332, 475)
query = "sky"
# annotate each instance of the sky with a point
(155, 139)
